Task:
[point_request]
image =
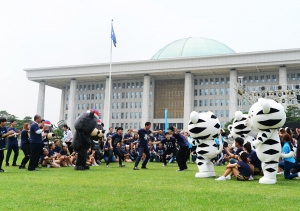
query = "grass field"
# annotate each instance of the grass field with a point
(159, 188)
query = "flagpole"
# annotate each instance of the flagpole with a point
(109, 84)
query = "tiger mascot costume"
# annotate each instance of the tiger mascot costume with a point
(239, 129)
(203, 128)
(267, 116)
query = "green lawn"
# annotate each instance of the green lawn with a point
(159, 188)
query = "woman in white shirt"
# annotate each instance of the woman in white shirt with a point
(68, 137)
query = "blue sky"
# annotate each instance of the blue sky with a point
(59, 32)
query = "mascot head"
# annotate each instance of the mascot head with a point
(204, 125)
(266, 114)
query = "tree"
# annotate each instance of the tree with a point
(10, 117)
(227, 124)
(292, 114)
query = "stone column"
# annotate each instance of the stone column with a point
(282, 77)
(146, 101)
(188, 94)
(232, 94)
(41, 100)
(72, 105)
(106, 117)
(63, 102)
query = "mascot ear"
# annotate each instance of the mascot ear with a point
(194, 117)
(238, 115)
(91, 114)
(265, 105)
(229, 127)
(102, 124)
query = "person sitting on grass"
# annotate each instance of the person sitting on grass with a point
(90, 161)
(45, 160)
(53, 156)
(73, 158)
(159, 152)
(127, 155)
(57, 147)
(234, 156)
(240, 170)
(253, 161)
(65, 158)
(288, 163)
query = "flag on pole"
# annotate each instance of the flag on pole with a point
(113, 36)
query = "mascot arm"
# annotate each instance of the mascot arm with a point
(290, 154)
(196, 142)
(221, 145)
(262, 136)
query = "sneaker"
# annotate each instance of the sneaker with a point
(135, 168)
(144, 167)
(122, 165)
(106, 166)
(95, 164)
(164, 165)
(22, 167)
(221, 178)
(298, 175)
(2, 170)
(251, 177)
(228, 177)
(281, 172)
(7, 164)
(69, 165)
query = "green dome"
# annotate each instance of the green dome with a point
(191, 47)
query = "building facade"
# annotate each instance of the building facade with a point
(189, 74)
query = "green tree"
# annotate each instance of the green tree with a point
(58, 133)
(292, 114)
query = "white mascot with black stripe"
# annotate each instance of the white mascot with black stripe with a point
(203, 128)
(267, 116)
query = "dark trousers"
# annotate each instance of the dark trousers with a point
(142, 149)
(70, 148)
(26, 150)
(287, 170)
(15, 148)
(81, 157)
(1, 158)
(167, 152)
(35, 153)
(181, 158)
(116, 152)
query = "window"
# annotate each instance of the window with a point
(200, 92)
(83, 106)
(205, 91)
(222, 81)
(216, 113)
(80, 87)
(132, 85)
(113, 125)
(200, 102)
(92, 105)
(201, 81)
(256, 78)
(217, 91)
(100, 106)
(150, 104)
(122, 105)
(115, 86)
(217, 80)
(227, 102)
(122, 115)
(142, 84)
(205, 102)
(195, 81)
(206, 81)
(78, 106)
(89, 87)
(126, 115)
(128, 85)
(274, 77)
(97, 96)
(96, 106)
(211, 91)
(119, 86)
(262, 78)
(288, 76)
(137, 94)
(216, 102)
(195, 92)
(227, 80)
(227, 113)
(141, 104)
(136, 115)
(119, 95)
(222, 91)
(128, 95)
(245, 79)
(227, 91)
(150, 87)
(250, 79)
(84, 87)
(88, 96)
(222, 113)
(66, 116)
(92, 96)
(113, 105)
(222, 102)
(195, 103)
(68, 88)
(244, 102)
(114, 95)
(117, 115)
(123, 85)
(126, 125)
(93, 86)
(132, 94)
(68, 97)
(118, 105)
(293, 76)
(141, 94)
(131, 125)
(140, 115)
(211, 102)
(123, 95)
(137, 85)
(67, 107)
(101, 86)
(84, 97)
(150, 94)
(268, 78)
(127, 105)
(298, 76)
(211, 81)
(136, 105)
(132, 105)
(101, 96)
(113, 115)
(97, 86)
(131, 115)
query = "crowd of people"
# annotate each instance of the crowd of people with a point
(40, 150)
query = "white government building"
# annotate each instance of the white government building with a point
(188, 74)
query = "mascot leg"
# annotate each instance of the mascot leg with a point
(270, 172)
(205, 166)
(81, 160)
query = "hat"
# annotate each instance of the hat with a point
(47, 123)
(96, 112)
(99, 122)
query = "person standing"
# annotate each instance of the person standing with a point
(110, 132)
(183, 148)
(143, 145)
(3, 134)
(35, 142)
(25, 145)
(68, 137)
(113, 142)
(13, 143)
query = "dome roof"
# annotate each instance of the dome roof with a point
(191, 47)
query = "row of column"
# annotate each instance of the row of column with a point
(188, 98)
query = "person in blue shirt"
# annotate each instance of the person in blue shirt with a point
(143, 145)
(170, 143)
(289, 162)
(160, 151)
(160, 135)
(13, 143)
(183, 148)
(25, 145)
(110, 132)
(35, 142)
(115, 139)
(3, 134)
(106, 149)
(128, 138)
